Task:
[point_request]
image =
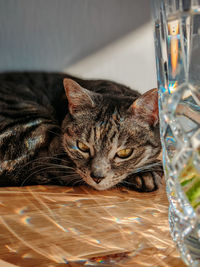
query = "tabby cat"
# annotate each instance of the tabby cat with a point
(58, 129)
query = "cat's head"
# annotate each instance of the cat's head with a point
(109, 137)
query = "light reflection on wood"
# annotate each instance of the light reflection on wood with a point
(51, 225)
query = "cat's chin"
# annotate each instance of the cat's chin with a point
(104, 184)
(101, 187)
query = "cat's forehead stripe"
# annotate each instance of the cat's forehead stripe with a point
(104, 133)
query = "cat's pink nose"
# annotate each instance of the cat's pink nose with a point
(96, 177)
(97, 180)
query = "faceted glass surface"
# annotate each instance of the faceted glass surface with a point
(177, 46)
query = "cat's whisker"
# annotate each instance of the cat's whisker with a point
(78, 182)
(126, 182)
(69, 176)
(30, 176)
(51, 168)
(40, 168)
(149, 167)
(73, 175)
(36, 172)
(57, 134)
(42, 158)
(73, 180)
(59, 166)
(26, 180)
(46, 163)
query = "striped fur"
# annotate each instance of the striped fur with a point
(38, 135)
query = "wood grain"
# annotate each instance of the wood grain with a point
(51, 226)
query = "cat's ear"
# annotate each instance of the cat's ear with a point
(78, 97)
(146, 107)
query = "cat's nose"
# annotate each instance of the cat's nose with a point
(97, 177)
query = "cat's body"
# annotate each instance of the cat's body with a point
(52, 135)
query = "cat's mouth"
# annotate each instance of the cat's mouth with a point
(102, 184)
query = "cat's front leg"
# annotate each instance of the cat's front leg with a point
(145, 181)
(148, 181)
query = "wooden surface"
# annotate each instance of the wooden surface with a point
(52, 226)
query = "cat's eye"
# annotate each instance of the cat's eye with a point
(83, 147)
(124, 153)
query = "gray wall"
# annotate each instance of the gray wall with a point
(52, 34)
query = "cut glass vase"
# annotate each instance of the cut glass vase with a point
(177, 48)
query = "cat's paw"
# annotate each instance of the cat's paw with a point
(145, 181)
